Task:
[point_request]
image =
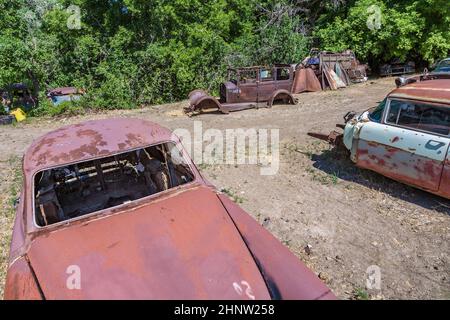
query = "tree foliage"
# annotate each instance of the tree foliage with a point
(128, 53)
(417, 30)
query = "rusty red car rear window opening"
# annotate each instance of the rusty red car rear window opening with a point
(72, 191)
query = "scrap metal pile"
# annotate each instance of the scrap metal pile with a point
(335, 70)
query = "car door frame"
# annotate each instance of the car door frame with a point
(267, 87)
(285, 84)
(248, 92)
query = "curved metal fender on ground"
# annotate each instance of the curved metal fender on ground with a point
(200, 99)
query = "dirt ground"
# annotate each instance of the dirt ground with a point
(350, 218)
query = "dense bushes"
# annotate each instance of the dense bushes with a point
(417, 30)
(129, 53)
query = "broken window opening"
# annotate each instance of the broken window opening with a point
(247, 76)
(79, 189)
(283, 74)
(377, 112)
(266, 75)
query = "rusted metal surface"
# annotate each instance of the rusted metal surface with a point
(177, 244)
(305, 80)
(436, 90)
(397, 68)
(333, 138)
(201, 100)
(184, 247)
(65, 91)
(413, 153)
(21, 283)
(353, 70)
(285, 275)
(91, 139)
(59, 95)
(251, 87)
(400, 165)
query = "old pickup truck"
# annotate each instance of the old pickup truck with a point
(406, 137)
(246, 88)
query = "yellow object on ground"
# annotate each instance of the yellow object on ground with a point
(19, 114)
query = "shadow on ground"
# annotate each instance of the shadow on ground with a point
(337, 162)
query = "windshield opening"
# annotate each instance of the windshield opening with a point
(377, 113)
(75, 190)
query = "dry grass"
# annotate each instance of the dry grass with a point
(11, 178)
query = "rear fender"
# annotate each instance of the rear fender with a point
(285, 275)
(281, 94)
(21, 282)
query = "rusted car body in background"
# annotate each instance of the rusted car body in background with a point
(251, 87)
(406, 137)
(405, 80)
(442, 66)
(59, 95)
(120, 201)
(397, 67)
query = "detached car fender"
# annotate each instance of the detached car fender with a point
(285, 275)
(200, 99)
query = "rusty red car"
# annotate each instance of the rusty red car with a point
(249, 87)
(406, 137)
(116, 209)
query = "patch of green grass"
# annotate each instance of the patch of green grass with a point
(236, 198)
(323, 178)
(360, 294)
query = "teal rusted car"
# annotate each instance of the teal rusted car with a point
(406, 137)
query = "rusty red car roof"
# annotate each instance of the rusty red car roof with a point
(91, 139)
(430, 90)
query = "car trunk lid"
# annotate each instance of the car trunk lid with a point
(182, 247)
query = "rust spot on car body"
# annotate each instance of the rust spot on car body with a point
(437, 91)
